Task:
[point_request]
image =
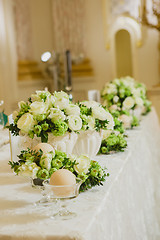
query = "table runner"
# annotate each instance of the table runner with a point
(126, 207)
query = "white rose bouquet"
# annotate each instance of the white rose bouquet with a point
(127, 94)
(46, 113)
(37, 164)
(128, 97)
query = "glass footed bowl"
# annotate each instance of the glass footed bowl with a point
(59, 196)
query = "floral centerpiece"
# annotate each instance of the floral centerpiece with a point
(53, 118)
(39, 164)
(128, 97)
(113, 140)
(95, 118)
(46, 117)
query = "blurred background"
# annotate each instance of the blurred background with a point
(106, 39)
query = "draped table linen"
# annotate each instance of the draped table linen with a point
(126, 207)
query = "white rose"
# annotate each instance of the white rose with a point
(128, 103)
(74, 122)
(127, 120)
(111, 88)
(139, 101)
(116, 81)
(56, 114)
(72, 110)
(90, 104)
(26, 123)
(110, 124)
(45, 161)
(136, 92)
(52, 100)
(83, 164)
(38, 108)
(28, 170)
(37, 96)
(61, 100)
(115, 99)
(99, 113)
(106, 133)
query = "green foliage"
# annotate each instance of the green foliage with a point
(113, 143)
(13, 129)
(99, 124)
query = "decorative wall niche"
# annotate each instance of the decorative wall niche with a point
(130, 26)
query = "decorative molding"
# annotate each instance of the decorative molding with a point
(128, 24)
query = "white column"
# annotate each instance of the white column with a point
(8, 55)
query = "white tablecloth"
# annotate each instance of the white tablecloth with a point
(125, 208)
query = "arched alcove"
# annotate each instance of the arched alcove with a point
(123, 53)
(131, 30)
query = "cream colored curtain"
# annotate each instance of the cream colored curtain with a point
(68, 23)
(8, 59)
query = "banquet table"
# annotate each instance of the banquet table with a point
(125, 207)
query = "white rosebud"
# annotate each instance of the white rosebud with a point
(72, 109)
(128, 103)
(113, 107)
(100, 113)
(20, 104)
(127, 120)
(26, 123)
(91, 122)
(61, 100)
(115, 99)
(38, 108)
(56, 114)
(106, 133)
(83, 164)
(45, 161)
(74, 122)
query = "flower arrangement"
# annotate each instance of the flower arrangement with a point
(39, 164)
(45, 113)
(113, 140)
(126, 96)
